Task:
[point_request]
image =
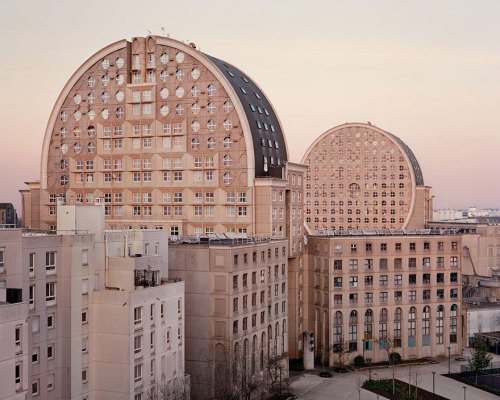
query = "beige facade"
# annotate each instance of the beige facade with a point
(369, 289)
(168, 136)
(14, 360)
(81, 289)
(236, 310)
(361, 177)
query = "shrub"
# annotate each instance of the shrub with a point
(359, 361)
(296, 364)
(394, 358)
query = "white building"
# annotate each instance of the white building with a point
(83, 290)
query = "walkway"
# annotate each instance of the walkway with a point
(309, 386)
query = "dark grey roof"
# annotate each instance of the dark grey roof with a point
(264, 125)
(419, 178)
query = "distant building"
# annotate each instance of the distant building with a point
(8, 215)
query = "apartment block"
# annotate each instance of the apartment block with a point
(236, 310)
(401, 287)
(76, 296)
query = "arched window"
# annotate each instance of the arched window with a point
(276, 336)
(368, 324)
(439, 325)
(262, 345)
(353, 331)
(254, 349)
(244, 359)
(412, 327)
(337, 331)
(453, 323)
(236, 352)
(426, 323)
(382, 324)
(283, 333)
(269, 340)
(398, 317)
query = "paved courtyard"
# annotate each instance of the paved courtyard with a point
(309, 386)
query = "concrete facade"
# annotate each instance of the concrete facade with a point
(70, 288)
(236, 311)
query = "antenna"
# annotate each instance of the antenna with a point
(163, 30)
(149, 32)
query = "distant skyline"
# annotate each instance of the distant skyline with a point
(426, 72)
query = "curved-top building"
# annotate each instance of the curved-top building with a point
(167, 136)
(362, 177)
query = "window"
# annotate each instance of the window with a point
(31, 262)
(18, 373)
(138, 373)
(440, 261)
(412, 324)
(337, 282)
(35, 355)
(453, 261)
(453, 323)
(353, 331)
(50, 292)
(439, 325)
(398, 295)
(440, 277)
(383, 280)
(137, 344)
(353, 264)
(453, 277)
(453, 245)
(412, 279)
(50, 351)
(353, 281)
(412, 262)
(50, 260)
(440, 293)
(383, 297)
(369, 280)
(337, 299)
(398, 280)
(35, 387)
(137, 315)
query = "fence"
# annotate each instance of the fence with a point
(489, 376)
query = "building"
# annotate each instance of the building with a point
(362, 177)
(168, 136)
(236, 312)
(14, 361)
(368, 289)
(83, 294)
(8, 215)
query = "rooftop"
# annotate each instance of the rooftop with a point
(222, 239)
(389, 232)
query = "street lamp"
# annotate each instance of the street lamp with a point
(433, 385)
(369, 368)
(449, 359)
(465, 387)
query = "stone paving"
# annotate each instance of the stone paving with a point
(309, 386)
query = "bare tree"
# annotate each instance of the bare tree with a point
(359, 379)
(416, 379)
(176, 389)
(388, 345)
(324, 355)
(341, 351)
(410, 376)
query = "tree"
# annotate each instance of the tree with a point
(359, 379)
(176, 389)
(341, 351)
(394, 358)
(324, 355)
(480, 359)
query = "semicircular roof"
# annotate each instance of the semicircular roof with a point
(267, 135)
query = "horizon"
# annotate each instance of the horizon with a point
(429, 78)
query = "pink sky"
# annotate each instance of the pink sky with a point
(427, 72)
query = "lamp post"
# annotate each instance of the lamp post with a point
(369, 368)
(449, 359)
(433, 384)
(363, 340)
(465, 388)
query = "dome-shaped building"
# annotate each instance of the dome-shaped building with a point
(362, 177)
(166, 136)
